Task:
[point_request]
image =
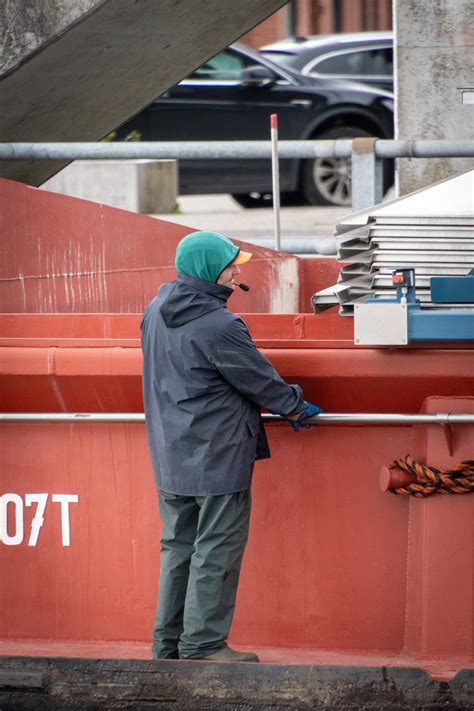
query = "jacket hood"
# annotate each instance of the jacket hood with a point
(205, 255)
(188, 299)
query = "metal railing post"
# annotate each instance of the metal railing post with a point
(367, 174)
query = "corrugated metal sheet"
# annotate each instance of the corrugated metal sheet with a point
(431, 230)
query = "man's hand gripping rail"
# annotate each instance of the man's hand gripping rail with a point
(296, 420)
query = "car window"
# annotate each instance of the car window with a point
(379, 61)
(225, 66)
(370, 61)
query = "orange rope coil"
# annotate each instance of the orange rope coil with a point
(430, 480)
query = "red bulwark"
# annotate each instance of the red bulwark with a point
(64, 255)
(336, 571)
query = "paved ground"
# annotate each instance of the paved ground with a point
(220, 213)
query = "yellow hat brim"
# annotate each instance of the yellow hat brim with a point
(242, 257)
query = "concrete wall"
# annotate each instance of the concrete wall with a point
(433, 57)
(29, 25)
(91, 73)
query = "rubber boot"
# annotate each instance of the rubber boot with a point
(226, 654)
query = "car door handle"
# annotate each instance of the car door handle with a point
(305, 103)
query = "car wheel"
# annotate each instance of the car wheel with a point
(327, 181)
(250, 200)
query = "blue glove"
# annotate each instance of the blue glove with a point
(309, 411)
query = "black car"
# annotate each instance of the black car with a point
(356, 56)
(232, 96)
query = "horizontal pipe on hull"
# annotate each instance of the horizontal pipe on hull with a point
(440, 418)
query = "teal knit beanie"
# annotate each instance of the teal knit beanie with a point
(205, 255)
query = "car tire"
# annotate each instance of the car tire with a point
(327, 181)
(251, 200)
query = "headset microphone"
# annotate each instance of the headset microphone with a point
(244, 287)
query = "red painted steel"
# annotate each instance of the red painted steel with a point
(62, 254)
(103, 366)
(316, 523)
(393, 477)
(440, 581)
(328, 549)
(333, 563)
(440, 593)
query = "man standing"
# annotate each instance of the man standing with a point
(204, 382)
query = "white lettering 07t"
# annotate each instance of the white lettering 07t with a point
(12, 527)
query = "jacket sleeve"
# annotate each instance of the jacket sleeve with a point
(237, 358)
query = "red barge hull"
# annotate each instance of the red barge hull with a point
(336, 570)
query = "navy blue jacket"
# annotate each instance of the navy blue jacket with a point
(204, 382)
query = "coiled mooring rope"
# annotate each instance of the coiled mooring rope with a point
(430, 480)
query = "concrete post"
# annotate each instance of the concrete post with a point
(433, 59)
(145, 186)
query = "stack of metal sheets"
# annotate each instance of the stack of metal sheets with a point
(431, 230)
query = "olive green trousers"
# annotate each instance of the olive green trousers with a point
(202, 544)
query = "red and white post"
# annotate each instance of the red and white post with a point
(275, 179)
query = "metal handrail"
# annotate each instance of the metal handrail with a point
(440, 418)
(366, 155)
(195, 150)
